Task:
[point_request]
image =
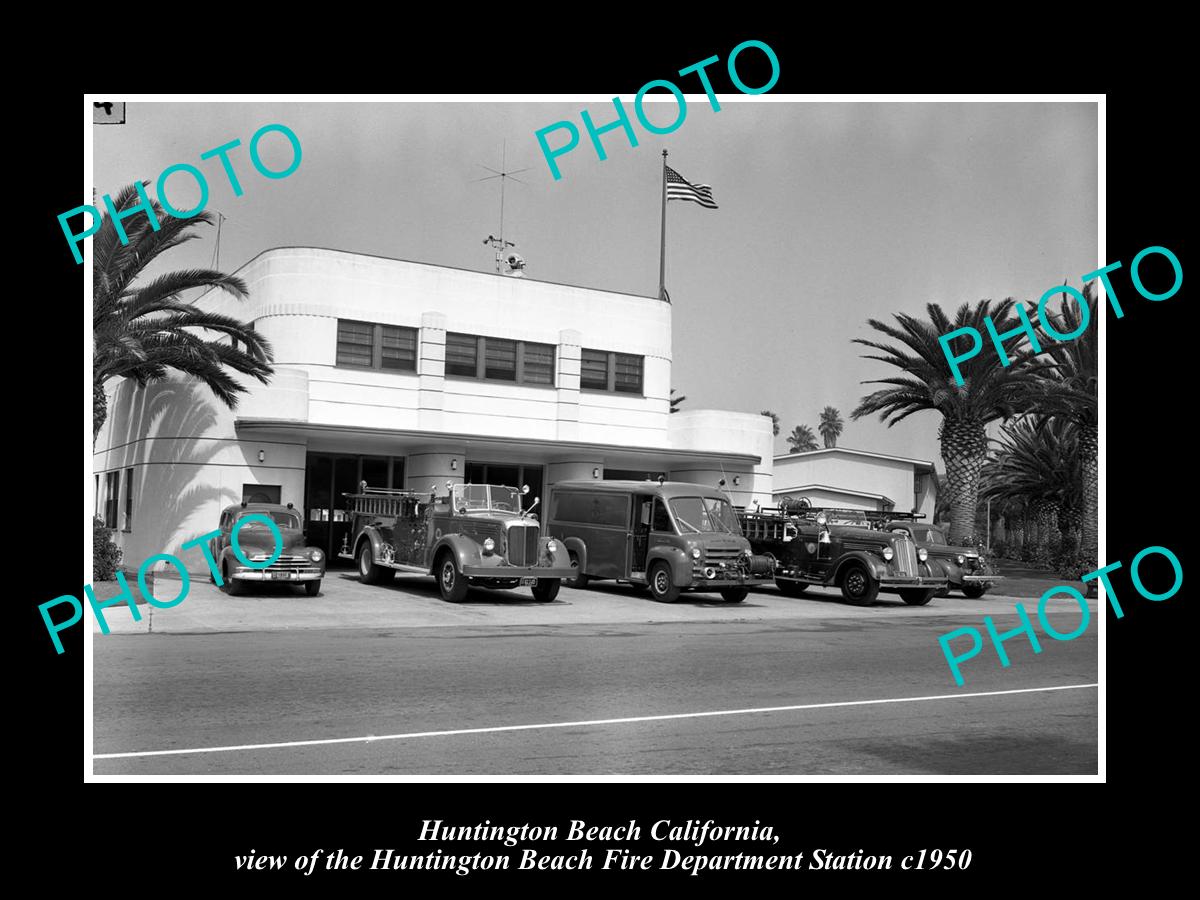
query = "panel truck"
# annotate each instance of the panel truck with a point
(476, 535)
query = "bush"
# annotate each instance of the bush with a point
(1075, 564)
(106, 555)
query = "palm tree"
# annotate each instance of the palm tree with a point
(1067, 387)
(675, 401)
(989, 392)
(831, 425)
(142, 331)
(774, 417)
(802, 439)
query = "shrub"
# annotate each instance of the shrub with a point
(1074, 564)
(106, 555)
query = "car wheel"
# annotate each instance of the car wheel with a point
(914, 597)
(858, 586)
(368, 572)
(451, 582)
(579, 580)
(230, 587)
(734, 595)
(312, 588)
(974, 591)
(546, 590)
(791, 588)
(662, 588)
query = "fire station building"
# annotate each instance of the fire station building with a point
(409, 375)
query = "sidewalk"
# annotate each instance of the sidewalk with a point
(413, 602)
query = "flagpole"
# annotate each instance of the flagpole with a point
(662, 251)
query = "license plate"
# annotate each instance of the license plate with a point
(277, 576)
(528, 582)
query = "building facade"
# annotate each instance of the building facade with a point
(857, 479)
(409, 375)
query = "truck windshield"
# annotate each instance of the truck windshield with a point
(705, 515)
(486, 496)
(931, 536)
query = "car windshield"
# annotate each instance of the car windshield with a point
(931, 536)
(486, 496)
(705, 514)
(282, 518)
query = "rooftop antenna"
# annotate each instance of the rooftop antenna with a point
(499, 244)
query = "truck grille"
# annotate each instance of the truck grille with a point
(523, 545)
(906, 557)
(286, 563)
(721, 554)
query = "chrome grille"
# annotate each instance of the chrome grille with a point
(906, 556)
(522, 545)
(721, 554)
(285, 563)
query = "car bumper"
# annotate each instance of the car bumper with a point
(725, 579)
(503, 572)
(981, 579)
(282, 577)
(912, 582)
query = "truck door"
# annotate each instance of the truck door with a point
(640, 532)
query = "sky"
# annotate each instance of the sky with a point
(830, 214)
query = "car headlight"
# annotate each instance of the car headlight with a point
(489, 545)
(922, 554)
(888, 553)
(961, 559)
(314, 555)
(696, 554)
(551, 546)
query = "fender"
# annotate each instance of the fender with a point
(950, 569)
(559, 557)
(680, 563)
(369, 533)
(576, 545)
(870, 560)
(465, 551)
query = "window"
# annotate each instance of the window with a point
(628, 374)
(593, 370)
(112, 488)
(499, 359)
(592, 509)
(128, 526)
(600, 370)
(462, 354)
(662, 522)
(539, 363)
(261, 493)
(368, 345)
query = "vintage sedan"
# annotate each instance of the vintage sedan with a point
(476, 534)
(297, 563)
(965, 568)
(835, 547)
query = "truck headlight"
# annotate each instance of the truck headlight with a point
(488, 545)
(314, 555)
(888, 553)
(922, 554)
(552, 547)
(696, 554)
(961, 559)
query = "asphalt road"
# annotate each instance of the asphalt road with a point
(192, 691)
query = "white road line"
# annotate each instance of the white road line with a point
(590, 722)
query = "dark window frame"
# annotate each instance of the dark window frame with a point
(112, 497)
(127, 525)
(377, 347)
(481, 361)
(611, 373)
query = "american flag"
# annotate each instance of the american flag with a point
(679, 188)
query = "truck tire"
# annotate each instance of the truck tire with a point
(859, 587)
(917, 596)
(662, 587)
(734, 595)
(231, 587)
(546, 590)
(312, 588)
(579, 581)
(974, 591)
(791, 588)
(368, 572)
(451, 582)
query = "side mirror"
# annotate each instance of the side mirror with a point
(524, 489)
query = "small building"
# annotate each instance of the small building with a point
(857, 479)
(409, 375)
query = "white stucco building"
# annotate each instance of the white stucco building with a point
(857, 479)
(409, 375)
